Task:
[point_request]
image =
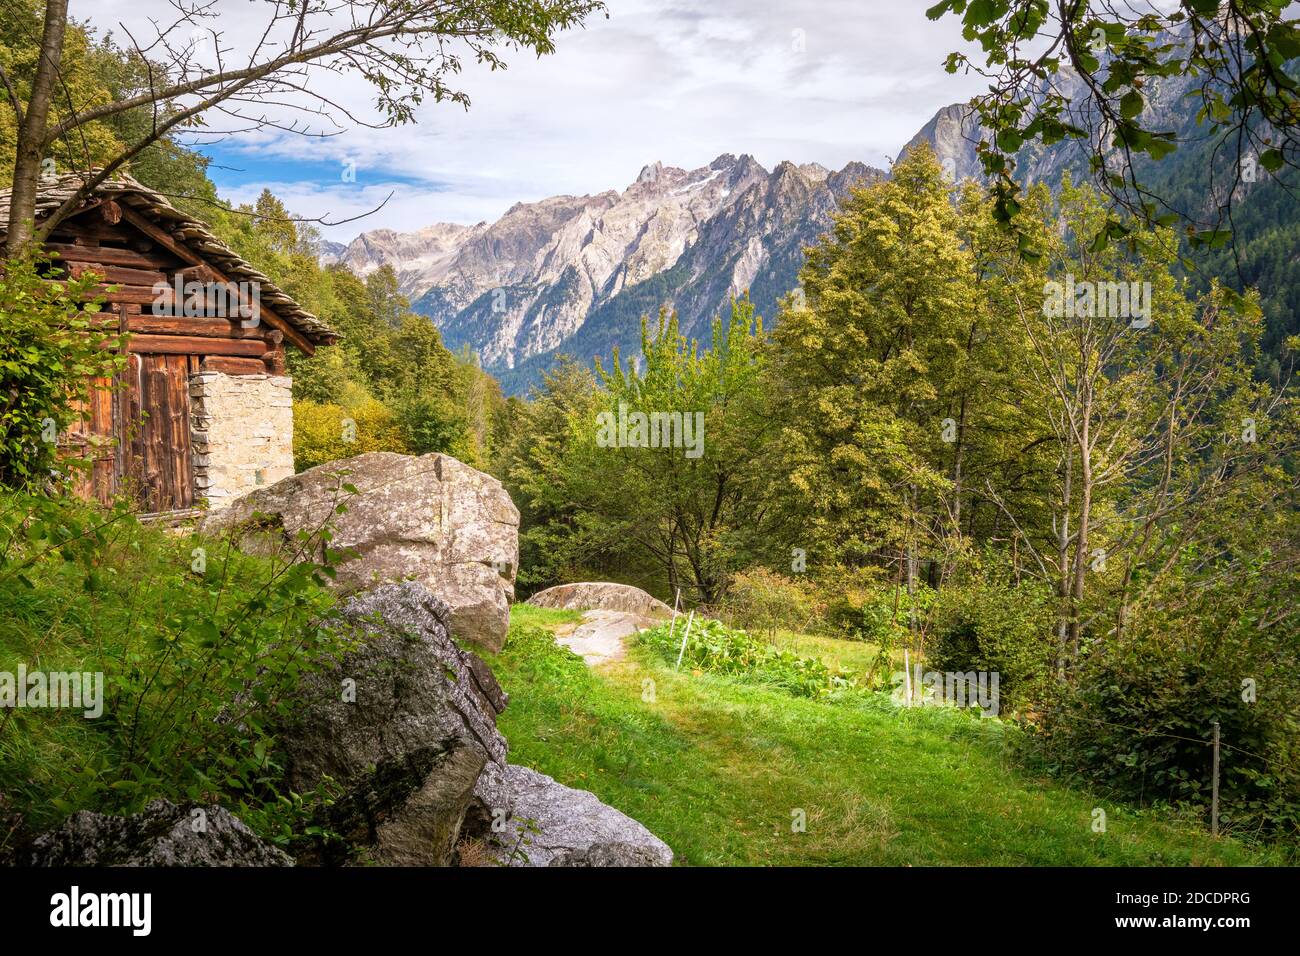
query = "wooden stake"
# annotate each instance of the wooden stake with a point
(907, 676)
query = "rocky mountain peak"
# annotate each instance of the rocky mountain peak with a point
(953, 133)
(814, 171)
(650, 174)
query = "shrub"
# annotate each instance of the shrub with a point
(431, 422)
(879, 614)
(50, 354)
(992, 624)
(763, 599)
(327, 432)
(1139, 722)
(1137, 715)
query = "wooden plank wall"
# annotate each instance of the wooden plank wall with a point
(135, 263)
(91, 439)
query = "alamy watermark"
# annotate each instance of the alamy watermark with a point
(130, 910)
(1099, 300)
(948, 688)
(36, 689)
(195, 299)
(626, 429)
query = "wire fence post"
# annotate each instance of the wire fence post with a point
(685, 638)
(1214, 791)
(907, 677)
(673, 626)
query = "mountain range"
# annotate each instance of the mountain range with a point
(575, 274)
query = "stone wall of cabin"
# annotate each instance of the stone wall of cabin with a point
(242, 434)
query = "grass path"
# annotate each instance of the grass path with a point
(721, 770)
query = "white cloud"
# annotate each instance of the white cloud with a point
(828, 81)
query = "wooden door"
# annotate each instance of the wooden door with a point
(158, 463)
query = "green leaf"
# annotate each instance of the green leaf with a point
(945, 6)
(1130, 105)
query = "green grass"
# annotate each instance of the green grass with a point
(525, 615)
(717, 768)
(853, 656)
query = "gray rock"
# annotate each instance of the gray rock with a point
(404, 723)
(491, 802)
(164, 834)
(604, 596)
(953, 133)
(555, 825)
(602, 636)
(431, 519)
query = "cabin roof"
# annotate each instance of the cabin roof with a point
(185, 231)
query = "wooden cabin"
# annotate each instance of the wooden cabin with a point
(204, 411)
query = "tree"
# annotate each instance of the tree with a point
(1001, 450)
(1154, 417)
(534, 462)
(1083, 70)
(872, 379)
(695, 504)
(652, 469)
(406, 50)
(388, 356)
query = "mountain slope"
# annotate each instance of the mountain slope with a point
(576, 274)
(1191, 181)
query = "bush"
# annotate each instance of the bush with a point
(1138, 713)
(327, 432)
(200, 647)
(717, 649)
(50, 354)
(431, 422)
(878, 613)
(1139, 722)
(991, 624)
(762, 599)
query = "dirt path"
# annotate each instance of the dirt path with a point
(602, 636)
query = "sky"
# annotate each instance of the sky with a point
(827, 81)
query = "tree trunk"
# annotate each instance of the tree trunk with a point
(961, 441)
(1063, 566)
(1085, 516)
(911, 569)
(30, 150)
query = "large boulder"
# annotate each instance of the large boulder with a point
(431, 519)
(404, 722)
(603, 596)
(164, 834)
(555, 825)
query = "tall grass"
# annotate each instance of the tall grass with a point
(200, 648)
